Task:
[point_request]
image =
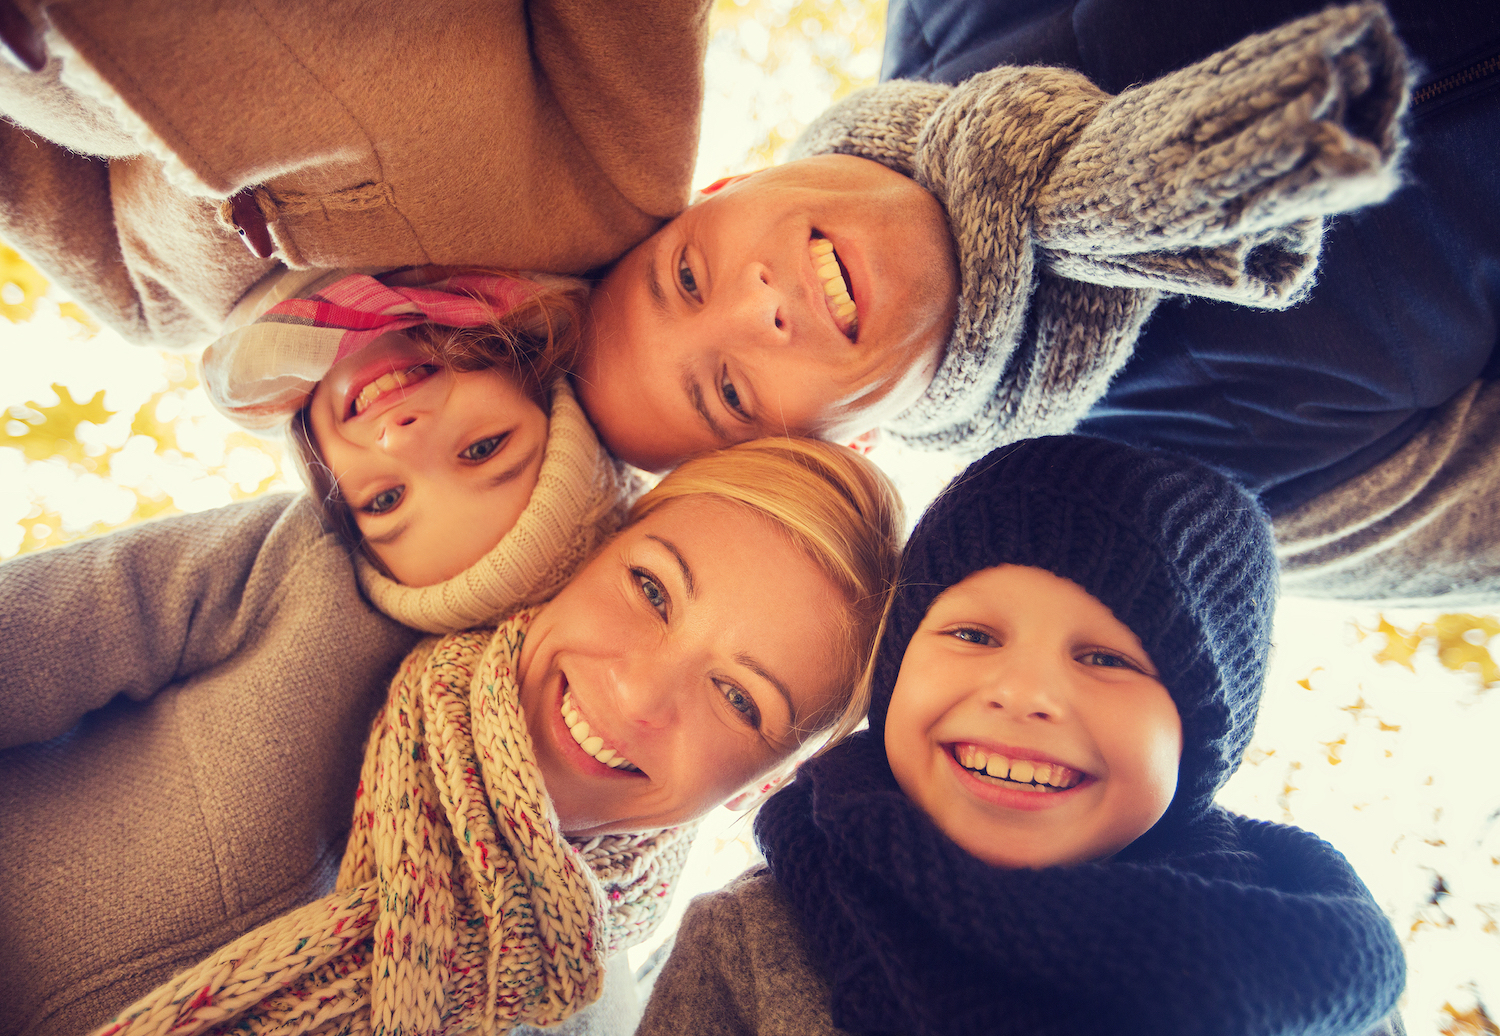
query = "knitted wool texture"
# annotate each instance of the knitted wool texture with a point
(580, 499)
(1208, 923)
(1072, 211)
(459, 905)
(1238, 927)
(1179, 553)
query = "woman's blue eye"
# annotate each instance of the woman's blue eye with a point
(739, 701)
(651, 590)
(732, 396)
(482, 449)
(385, 500)
(686, 279)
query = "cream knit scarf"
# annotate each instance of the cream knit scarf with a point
(459, 904)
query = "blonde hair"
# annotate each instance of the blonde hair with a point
(535, 343)
(838, 507)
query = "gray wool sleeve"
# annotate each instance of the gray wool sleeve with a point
(740, 968)
(1419, 529)
(1211, 181)
(126, 614)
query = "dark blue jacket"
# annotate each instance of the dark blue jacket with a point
(1407, 307)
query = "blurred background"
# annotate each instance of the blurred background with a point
(1376, 731)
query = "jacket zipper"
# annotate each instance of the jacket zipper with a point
(1463, 77)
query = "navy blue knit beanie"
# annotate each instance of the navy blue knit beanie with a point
(1177, 552)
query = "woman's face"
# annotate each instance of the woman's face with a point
(694, 647)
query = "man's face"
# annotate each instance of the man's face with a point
(813, 298)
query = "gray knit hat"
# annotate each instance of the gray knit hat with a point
(1178, 552)
(1073, 210)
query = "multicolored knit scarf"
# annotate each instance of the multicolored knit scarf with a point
(261, 373)
(459, 904)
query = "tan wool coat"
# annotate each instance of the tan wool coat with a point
(544, 135)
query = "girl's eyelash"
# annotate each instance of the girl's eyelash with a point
(494, 442)
(746, 704)
(374, 506)
(656, 595)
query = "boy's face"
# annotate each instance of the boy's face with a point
(436, 465)
(1029, 724)
(738, 320)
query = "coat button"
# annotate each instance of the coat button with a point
(19, 39)
(251, 224)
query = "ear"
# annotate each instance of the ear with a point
(719, 184)
(864, 442)
(762, 789)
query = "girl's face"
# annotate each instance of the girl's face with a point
(1029, 723)
(686, 653)
(436, 466)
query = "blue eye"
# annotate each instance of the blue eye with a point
(384, 501)
(652, 591)
(483, 449)
(740, 702)
(686, 279)
(731, 395)
(972, 636)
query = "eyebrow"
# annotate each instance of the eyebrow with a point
(687, 573)
(749, 662)
(694, 391)
(653, 285)
(389, 536)
(512, 472)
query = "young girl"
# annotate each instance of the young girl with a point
(690, 658)
(1025, 839)
(428, 412)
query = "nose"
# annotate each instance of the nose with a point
(647, 687)
(403, 433)
(1028, 688)
(759, 308)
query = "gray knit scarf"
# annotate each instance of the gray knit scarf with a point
(1073, 211)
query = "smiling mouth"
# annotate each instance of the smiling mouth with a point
(834, 277)
(591, 743)
(1022, 774)
(389, 382)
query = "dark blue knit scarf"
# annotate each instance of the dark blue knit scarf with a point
(1227, 926)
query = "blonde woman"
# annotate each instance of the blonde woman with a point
(696, 653)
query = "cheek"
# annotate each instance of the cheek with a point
(1148, 746)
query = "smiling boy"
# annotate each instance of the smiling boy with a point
(1025, 841)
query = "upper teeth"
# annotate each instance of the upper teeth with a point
(590, 742)
(386, 382)
(840, 302)
(1024, 771)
